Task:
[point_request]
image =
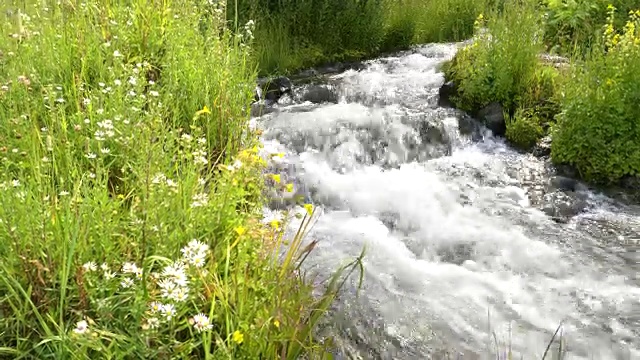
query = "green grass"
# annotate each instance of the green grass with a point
(129, 178)
(294, 34)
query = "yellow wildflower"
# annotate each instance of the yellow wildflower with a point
(309, 208)
(289, 187)
(616, 39)
(237, 337)
(240, 230)
(275, 224)
(276, 323)
(276, 178)
(205, 110)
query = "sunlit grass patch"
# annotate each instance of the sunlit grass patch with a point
(131, 190)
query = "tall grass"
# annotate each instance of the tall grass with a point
(295, 34)
(131, 190)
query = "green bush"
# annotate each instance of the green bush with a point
(502, 60)
(599, 127)
(575, 25)
(524, 129)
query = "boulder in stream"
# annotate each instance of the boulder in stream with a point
(492, 116)
(272, 89)
(319, 94)
(445, 94)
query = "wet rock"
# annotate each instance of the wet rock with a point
(468, 126)
(561, 183)
(260, 108)
(543, 147)
(492, 116)
(433, 133)
(445, 94)
(631, 183)
(319, 94)
(273, 89)
(562, 207)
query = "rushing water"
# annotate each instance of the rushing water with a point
(461, 249)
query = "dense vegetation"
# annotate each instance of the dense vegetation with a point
(132, 187)
(587, 106)
(131, 220)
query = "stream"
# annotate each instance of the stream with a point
(472, 247)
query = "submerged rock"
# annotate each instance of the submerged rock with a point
(319, 94)
(492, 116)
(445, 94)
(273, 89)
(561, 183)
(543, 147)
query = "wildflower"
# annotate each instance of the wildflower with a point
(81, 327)
(126, 283)
(205, 110)
(86, 101)
(155, 307)
(117, 54)
(117, 82)
(276, 323)
(108, 275)
(15, 183)
(90, 266)
(200, 157)
(91, 156)
(201, 322)
(237, 337)
(276, 178)
(158, 178)
(199, 200)
(198, 260)
(130, 268)
(168, 310)
(63, 193)
(132, 80)
(154, 93)
(152, 323)
(171, 183)
(309, 208)
(195, 253)
(105, 150)
(240, 230)
(180, 294)
(289, 187)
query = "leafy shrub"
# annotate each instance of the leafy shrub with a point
(524, 129)
(575, 25)
(598, 127)
(501, 61)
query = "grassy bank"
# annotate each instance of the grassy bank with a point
(587, 106)
(294, 34)
(131, 190)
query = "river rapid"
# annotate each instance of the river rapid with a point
(472, 247)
